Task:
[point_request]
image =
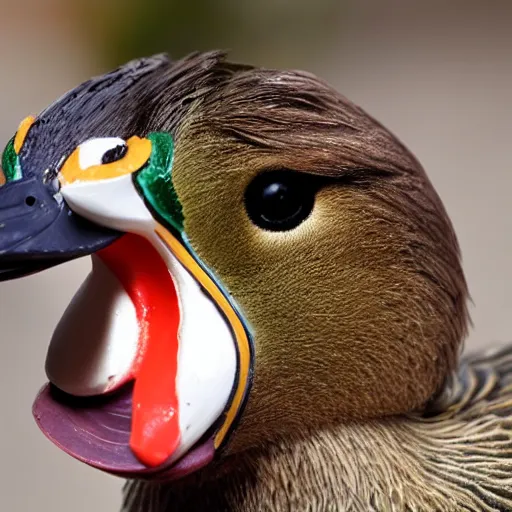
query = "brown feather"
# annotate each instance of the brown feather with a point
(361, 310)
(460, 460)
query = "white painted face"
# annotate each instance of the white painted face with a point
(93, 151)
(96, 342)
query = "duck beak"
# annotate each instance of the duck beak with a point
(38, 230)
(169, 370)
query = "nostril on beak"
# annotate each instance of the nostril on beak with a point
(30, 200)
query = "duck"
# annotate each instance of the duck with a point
(276, 310)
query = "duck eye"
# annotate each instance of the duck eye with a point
(279, 200)
(101, 151)
(114, 154)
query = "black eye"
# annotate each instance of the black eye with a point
(114, 154)
(279, 200)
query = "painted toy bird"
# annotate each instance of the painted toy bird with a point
(276, 307)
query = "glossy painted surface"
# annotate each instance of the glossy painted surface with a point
(101, 320)
(85, 164)
(173, 407)
(22, 132)
(155, 411)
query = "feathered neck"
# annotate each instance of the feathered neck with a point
(458, 460)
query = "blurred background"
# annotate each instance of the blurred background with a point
(437, 73)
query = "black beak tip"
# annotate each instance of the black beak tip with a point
(34, 257)
(26, 249)
(38, 232)
(15, 271)
(25, 261)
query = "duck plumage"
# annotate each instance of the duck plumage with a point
(359, 398)
(455, 455)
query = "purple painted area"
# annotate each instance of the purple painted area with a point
(96, 431)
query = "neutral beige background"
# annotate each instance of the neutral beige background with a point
(440, 77)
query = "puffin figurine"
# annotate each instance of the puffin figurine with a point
(276, 307)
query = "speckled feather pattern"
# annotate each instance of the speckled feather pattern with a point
(458, 460)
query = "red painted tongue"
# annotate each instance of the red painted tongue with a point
(155, 432)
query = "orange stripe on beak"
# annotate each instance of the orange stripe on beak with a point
(22, 132)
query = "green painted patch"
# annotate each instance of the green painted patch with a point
(11, 162)
(155, 181)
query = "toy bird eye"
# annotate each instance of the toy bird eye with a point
(101, 151)
(279, 200)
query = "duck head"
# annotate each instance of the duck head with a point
(267, 258)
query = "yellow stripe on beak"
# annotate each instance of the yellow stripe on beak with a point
(242, 340)
(139, 151)
(22, 132)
